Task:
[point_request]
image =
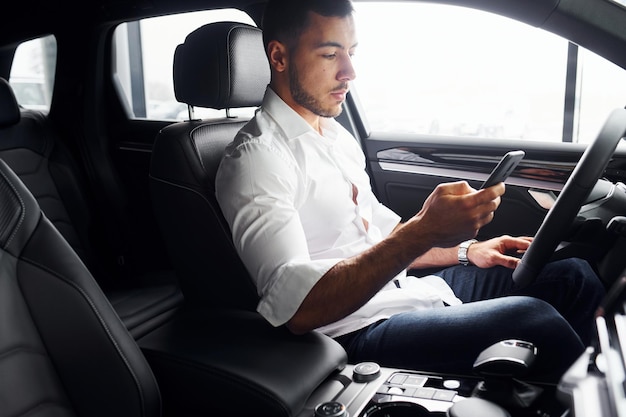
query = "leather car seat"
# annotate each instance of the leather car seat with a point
(31, 147)
(219, 66)
(219, 356)
(63, 349)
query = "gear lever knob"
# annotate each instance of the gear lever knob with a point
(508, 358)
(500, 364)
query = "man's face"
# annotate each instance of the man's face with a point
(320, 67)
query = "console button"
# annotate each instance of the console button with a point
(444, 395)
(416, 380)
(451, 384)
(365, 372)
(398, 379)
(331, 409)
(395, 391)
(427, 393)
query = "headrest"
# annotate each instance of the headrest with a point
(9, 109)
(221, 65)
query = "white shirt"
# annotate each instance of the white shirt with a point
(287, 193)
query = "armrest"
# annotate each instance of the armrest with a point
(212, 362)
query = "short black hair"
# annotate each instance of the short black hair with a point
(285, 20)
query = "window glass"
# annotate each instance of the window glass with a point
(144, 53)
(447, 70)
(602, 89)
(32, 72)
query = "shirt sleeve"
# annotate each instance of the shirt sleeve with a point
(256, 188)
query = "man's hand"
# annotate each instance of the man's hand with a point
(497, 251)
(455, 212)
(452, 213)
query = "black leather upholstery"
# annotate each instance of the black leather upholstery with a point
(220, 357)
(234, 363)
(220, 65)
(33, 150)
(194, 230)
(9, 109)
(63, 349)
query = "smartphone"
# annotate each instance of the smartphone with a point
(504, 168)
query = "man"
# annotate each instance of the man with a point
(327, 255)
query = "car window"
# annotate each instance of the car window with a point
(32, 72)
(448, 70)
(144, 53)
(602, 88)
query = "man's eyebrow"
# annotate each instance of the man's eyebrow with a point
(334, 45)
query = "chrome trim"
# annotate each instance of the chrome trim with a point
(473, 176)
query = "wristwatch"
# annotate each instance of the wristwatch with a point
(462, 254)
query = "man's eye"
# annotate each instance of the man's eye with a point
(329, 56)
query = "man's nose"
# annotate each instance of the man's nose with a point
(347, 72)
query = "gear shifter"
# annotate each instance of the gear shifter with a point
(500, 364)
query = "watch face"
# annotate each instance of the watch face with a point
(462, 253)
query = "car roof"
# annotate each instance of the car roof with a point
(597, 25)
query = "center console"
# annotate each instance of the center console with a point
(594, 386)
(368, 390)
(235, 363)
(398, 393)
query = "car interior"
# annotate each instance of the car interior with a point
(121, 290)
(62, 329)
(186, 155)
(35, 153)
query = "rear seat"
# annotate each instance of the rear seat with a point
(29, 145)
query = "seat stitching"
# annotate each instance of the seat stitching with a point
(22, 214)
(102, 323)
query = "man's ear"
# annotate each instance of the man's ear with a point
(277, 53)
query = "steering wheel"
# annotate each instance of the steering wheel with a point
(589, 169)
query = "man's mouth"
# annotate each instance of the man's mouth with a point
(339, 94)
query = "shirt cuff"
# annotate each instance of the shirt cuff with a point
(294, 282)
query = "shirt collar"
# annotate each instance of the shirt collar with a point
(290, 121)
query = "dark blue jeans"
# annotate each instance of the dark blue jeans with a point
(555, 313)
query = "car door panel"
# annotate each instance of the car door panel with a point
(406, 168)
